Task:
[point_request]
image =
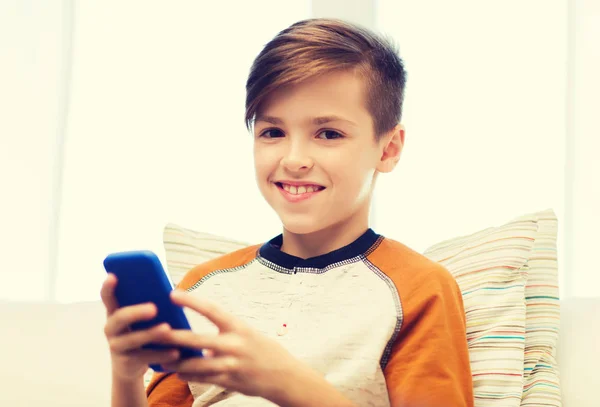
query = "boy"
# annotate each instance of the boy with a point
(329, 313)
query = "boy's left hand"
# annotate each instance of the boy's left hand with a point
(239, 358)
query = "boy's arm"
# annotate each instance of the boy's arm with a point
(128, 394)
(429, 363)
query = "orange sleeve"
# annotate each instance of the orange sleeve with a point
(166, 389)
(429, 363)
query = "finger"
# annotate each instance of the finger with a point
(218, 344)
(205, 367)
(225, 321)
(219, 379)
(107, 293)
(136, 339)
(122, 318)
(158, 357)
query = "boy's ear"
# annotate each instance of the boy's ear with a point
(392, 144)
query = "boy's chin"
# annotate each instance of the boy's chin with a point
(301, 226)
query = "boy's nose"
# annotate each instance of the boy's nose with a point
(297, 159)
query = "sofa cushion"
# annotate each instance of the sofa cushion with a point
(508, 277)
(541, 381)
(490, 269)
(579, 352)
(54, 355)
(186, 248)
(471, 260)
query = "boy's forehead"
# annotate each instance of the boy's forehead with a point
(341, 94)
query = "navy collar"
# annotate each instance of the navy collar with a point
(271, 251)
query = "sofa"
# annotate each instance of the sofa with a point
(56, 354)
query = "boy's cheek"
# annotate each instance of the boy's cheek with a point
(264, 158)
(263, 174)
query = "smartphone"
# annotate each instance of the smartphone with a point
(141, 279)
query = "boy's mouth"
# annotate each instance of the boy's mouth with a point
(299, 189)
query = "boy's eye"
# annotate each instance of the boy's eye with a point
(329, 135)
(272, 133)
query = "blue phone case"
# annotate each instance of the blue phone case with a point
(141, 278)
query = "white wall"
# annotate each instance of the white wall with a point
(34, 38)
(156, 129)
(484, 114)
(583, 150)
(500, 114)
(361, 12)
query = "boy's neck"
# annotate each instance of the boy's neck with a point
(323, 241)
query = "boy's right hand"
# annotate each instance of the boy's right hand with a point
(129, 361)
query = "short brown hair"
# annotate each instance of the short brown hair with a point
(316, 46)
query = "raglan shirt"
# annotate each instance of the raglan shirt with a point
(382, 323)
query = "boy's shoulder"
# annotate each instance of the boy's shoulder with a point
(227, 261)
(406, 266)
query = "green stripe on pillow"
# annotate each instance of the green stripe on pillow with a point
(490, 269)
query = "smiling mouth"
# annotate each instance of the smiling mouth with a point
(299, 189)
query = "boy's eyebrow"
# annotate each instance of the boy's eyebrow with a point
(317, 120)
(268, 119)
(326, 119)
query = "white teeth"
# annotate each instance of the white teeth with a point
(302, 189)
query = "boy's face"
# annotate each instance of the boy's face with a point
(315, 153)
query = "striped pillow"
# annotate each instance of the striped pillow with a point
(490, 268)
(541, 375)
(508, 278)
(186, 248)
